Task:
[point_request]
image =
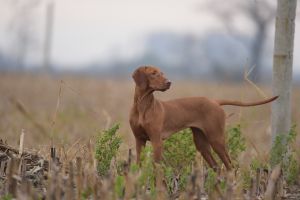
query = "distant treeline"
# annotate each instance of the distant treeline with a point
(212, 56)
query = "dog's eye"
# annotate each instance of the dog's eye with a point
(153, 73)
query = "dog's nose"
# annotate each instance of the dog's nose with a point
(168, 82)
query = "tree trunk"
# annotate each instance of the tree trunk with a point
(283, 66)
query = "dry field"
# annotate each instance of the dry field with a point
(87, 105)
(67, 111)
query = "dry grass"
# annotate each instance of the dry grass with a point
(89, 104)
(68, 111)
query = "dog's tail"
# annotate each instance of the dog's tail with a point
(239, 103)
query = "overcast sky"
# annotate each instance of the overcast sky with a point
(94, 30)
(104, 27)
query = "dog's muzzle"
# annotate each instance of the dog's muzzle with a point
(167, 85)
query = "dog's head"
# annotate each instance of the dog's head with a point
(150, 77)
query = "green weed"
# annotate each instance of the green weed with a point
(283, 153)
(210, 181)
(236, 142)
(292, 172)
(281, 145)
(119, 186)
(179, 155)
(107, 146)
(147, 177)
(7, 197)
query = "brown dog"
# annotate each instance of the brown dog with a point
(154, 120)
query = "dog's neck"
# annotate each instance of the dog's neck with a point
(143, 100)
(143, 95)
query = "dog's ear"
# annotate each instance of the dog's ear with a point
(140, 78)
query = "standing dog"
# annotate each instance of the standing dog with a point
(154, 120)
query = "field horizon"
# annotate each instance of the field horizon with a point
(81, 106)
(69, 114)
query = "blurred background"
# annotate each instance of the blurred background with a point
(93, 46)
(197, 39)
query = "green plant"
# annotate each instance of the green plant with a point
(223, 185)
(179, 155)
(257, 164)
(280, 147)
(279, 150)
(119, 186)
(147, 177)
(293, 170)
(236, 142)
(7, 197)
(134, 168)
(86, 193)
(246, 175)
(283, 153)
(107, 146)
(210, 181)
(250, 171)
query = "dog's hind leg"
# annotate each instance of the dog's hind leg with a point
(217, 142)
(223, 154)
(204, 148)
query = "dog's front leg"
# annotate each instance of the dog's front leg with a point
(157, 149)
(139, 145)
